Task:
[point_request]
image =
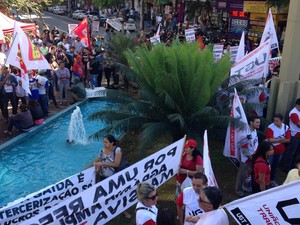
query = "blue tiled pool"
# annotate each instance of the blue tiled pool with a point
(44, 157)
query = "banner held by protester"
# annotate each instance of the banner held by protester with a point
(105, 200)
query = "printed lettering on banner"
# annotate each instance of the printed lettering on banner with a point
(190, 35)
(254, 65)
(280, 205)
(37, 202)
(233, 51)
(106, 199)
(218, 52)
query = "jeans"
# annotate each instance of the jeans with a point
(16, 123)
(43, 100)
(12, 98)
(94, 81)
(62, 90)
(291, 153)
(274, 162)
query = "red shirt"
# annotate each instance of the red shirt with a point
(189, 165)
(263, 167)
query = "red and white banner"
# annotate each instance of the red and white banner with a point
(31, 205)
(107, 199)
(208, 171)
(236, 136)
(82, 31)
(280, 205)
(255, 65)
(218, 52)
(270, 32)
(71, 27)
(273, 63)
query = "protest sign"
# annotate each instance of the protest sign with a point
(110, 197)
(71, 27)
(31, 205)
(233, 51)
(218, 52)
(190, 35)
(280, 205)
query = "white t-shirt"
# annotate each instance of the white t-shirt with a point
(190, 200)
(144, 213)
(215, 217)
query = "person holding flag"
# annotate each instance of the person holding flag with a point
(247, 150)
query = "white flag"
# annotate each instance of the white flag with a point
(15, 58)
(2, 38)
(156, 38)
(280, 205)
(270, 32)
(255, 65)
(32, 57)
(241, 50)
(208, 171)
(236, 137)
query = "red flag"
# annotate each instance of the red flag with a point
(82, 31)
(201, 43)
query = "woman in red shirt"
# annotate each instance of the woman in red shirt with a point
(191, 163)
(261, 167)
(277, 133)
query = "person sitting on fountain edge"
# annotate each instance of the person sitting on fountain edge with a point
(77, 91)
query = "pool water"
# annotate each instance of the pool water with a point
(45, 158)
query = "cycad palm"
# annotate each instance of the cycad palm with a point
(176, 85)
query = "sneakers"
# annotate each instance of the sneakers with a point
(7, 132)
(273, 183)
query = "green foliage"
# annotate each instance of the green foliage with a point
(176, 86)
(107, 3)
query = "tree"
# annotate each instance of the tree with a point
(176, 85)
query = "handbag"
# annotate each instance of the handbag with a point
(186, 183)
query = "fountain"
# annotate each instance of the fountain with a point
(76, 130)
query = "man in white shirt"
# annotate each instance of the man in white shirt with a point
(210, 201)
(188, 200)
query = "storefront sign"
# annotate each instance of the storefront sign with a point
(262, 7)
(237, 26)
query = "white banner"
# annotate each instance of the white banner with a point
(218, 52)
(255, 65)
(190, 35)
(37, 202)
(270, 32)
(280, 205)
(235, 136)
(107, 199)
(95, 26)
(208, 171)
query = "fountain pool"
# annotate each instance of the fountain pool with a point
(43, 157)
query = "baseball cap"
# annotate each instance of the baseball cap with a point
(191, 143)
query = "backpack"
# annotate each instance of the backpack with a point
(123, 164)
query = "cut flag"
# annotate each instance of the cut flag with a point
(270, 32)
(82, 31)
(236, 136)
(32, 57)
(208, 171)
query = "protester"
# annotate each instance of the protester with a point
(20, 92)
(93, 70)
(247, 150)
(22, 121)
(165, 216)
(293, 149)
(187, 201)
(146, 211)
(191, 163)
(9, 93)
(261, 167)
(63, 75)
(294, 174)
(43, 85)
(210, 200)
(77, 91)
(278, 134)
(36, 112)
